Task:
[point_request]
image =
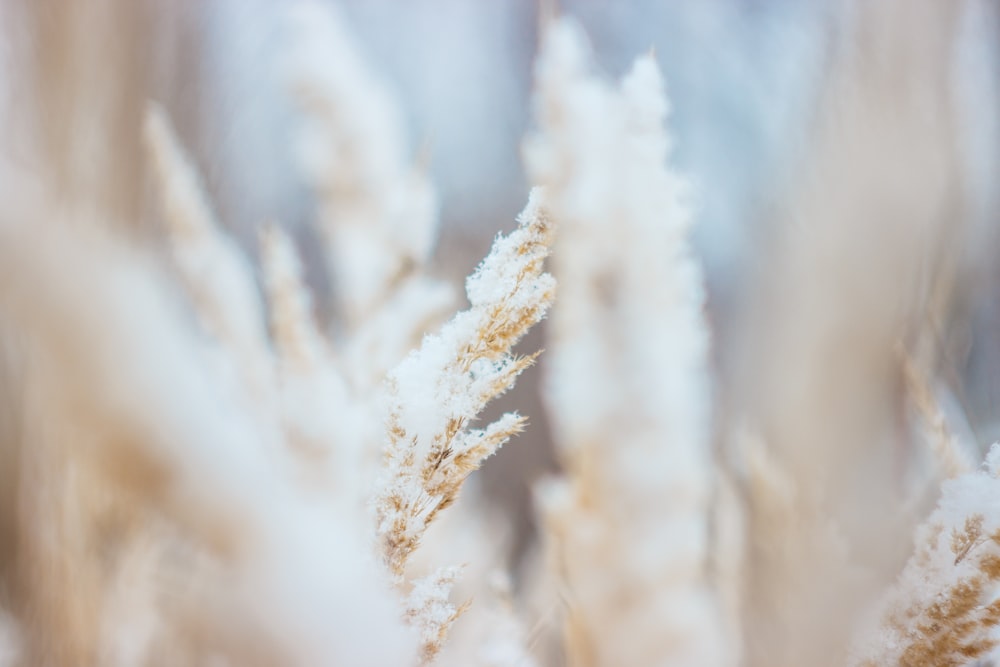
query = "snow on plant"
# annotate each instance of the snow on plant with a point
(436, 392)
(945, 608)
(630, 520)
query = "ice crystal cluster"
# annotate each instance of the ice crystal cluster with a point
(270, 443)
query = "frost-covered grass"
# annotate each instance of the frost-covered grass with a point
(264, 447)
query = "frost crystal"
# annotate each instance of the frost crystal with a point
(437, 391)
